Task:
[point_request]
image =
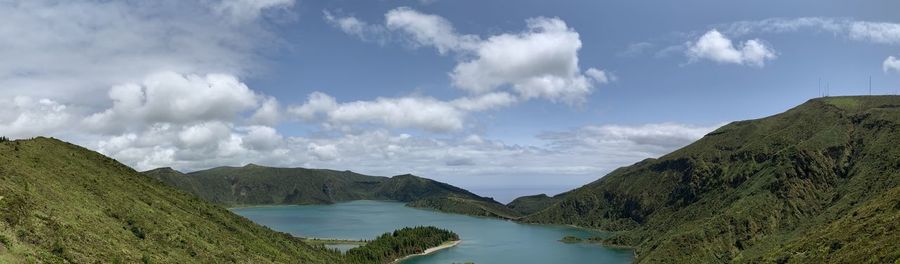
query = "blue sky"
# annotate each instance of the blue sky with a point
(649, 88)
(504, 98)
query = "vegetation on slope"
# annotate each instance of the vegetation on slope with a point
(60, 203)
(466, 206)
(259, 185)
(403, 242)
(819, 183)
(527, 205)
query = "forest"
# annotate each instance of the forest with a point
(400, 243)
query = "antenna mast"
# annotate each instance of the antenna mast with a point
(820, 86)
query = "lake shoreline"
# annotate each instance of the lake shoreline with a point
(430, 250)
(333, 241)
(366, 219)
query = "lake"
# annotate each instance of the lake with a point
(484, 240)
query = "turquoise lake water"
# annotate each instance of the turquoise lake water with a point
(484, 240)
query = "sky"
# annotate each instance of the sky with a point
(504, 98)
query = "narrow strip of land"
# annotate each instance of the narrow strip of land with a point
(331, 241)
(443, 246)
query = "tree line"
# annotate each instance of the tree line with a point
(402, 242)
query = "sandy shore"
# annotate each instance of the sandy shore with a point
(431, 250)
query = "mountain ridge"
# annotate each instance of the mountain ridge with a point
(817, 183)
(61, 203)
(261, 185)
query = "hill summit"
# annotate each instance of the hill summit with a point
(819, 183)
(61, 203)
(260, 185)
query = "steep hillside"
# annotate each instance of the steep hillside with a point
(259, 185)
(60, 203)
(819, 183)
(527, 205)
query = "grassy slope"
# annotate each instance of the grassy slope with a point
(259, 185)
(818, 183)
(63, 203)
(527, 205)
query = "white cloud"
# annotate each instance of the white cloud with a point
(316, 102)
(422, 112)
(22, 116)
(262, 138)
(163, 109)
(891, 64)
(402, 112)
(869, 31)
(567, 157)
(484, 102)
(429, 30)
(169, 97)
(717, 47)
(206, 134)
(194, 146)
(268, 114)
(419, 112)
(599, 76)
(323, 152)
(878, 32)
(243, 10)
(539, 62)
(65, 49)
(355, 27)
(648, 140)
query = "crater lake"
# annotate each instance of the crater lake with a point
(484, 240)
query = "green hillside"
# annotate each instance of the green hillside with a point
(260, 185)
(61, 203)
(819, 183)
(527, 205)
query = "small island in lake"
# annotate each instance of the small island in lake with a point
(400, 244)
(571, 239)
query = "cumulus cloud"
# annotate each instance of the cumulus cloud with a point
(206, 134)
(316, 102)
(717, 47)
(170, 97)
(268, 114)
(571, 156)
(402, 112)
(891, 64)
(171, 72)
(23, 116)
(60, 51)
(262, 138)
(419, 112)
(539, 62)
(429, 30)
(325, 152)
(194, 146)
(64, 49)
